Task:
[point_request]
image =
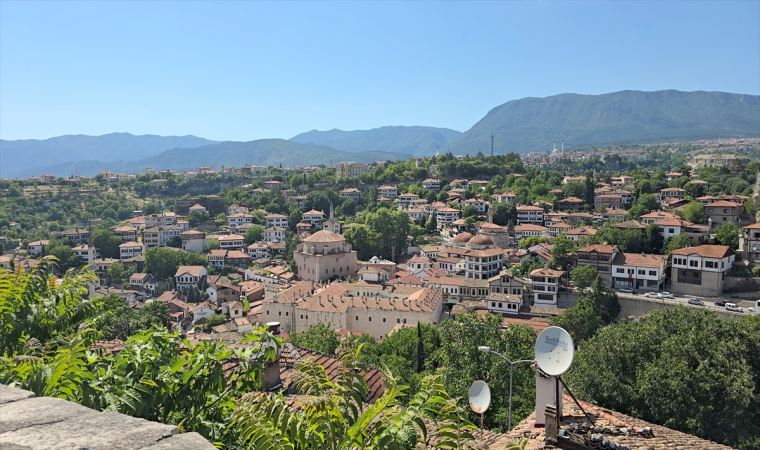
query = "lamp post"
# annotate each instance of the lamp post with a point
(512, 364)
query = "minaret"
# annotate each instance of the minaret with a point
(490, 215)
(332, 216)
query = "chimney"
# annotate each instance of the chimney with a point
(547, 390)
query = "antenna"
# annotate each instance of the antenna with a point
(554, 351)
(479, 396)
(563, 148)
(491, 144)
(554, 355)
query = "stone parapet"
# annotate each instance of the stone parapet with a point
(37, 423)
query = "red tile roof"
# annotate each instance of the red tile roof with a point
(705, 251)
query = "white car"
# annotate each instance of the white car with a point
(751, 309)
(667, 295)
(733, 307)
(651, 295)
(626, 290)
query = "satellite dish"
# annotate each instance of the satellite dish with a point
(554, 351)
(479, 396)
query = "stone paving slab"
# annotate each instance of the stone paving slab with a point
(43, 423)
(9, 394)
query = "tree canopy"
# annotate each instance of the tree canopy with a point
(683, 368)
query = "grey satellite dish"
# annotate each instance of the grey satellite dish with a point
(554, 351)
(479, 396)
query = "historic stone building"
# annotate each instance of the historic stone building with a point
(325, 255)
(373, 308)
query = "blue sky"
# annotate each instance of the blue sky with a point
(252, 70)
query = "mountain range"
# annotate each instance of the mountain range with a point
(20, 155)
(413, 140)
(230, 154)
(625, 117)
(524, 125)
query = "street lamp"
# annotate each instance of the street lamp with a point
(512, 364)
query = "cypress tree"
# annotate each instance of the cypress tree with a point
(420, 348)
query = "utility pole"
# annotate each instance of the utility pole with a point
(491, 144)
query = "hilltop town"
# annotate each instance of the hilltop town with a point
(379, 250)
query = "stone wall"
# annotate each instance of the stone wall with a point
(640, 307)
(741, 284)
(28, 422)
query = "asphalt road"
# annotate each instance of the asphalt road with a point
(683, 301)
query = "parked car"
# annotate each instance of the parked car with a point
(651, 295)
(569, 285)
(751, 309)
(626, 291)
(720, 303)
(667, 295)
(733, 307)
(694, 301)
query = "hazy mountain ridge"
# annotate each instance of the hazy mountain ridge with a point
(261, 152)
(528, 124)
(20, 155)
(625, 117)
(415, 140)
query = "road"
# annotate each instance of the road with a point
(682, 301)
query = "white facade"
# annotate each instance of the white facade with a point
(274, 234)
(388, 191)
(445, 216)
(236, 220)
(546, 286)
(129, 250)
(313, 217)
(276, 220)
(530, 214)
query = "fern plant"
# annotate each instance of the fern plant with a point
(335, 415)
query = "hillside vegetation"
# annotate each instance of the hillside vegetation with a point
(625, 117)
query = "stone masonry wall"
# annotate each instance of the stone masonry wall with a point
(31, 423)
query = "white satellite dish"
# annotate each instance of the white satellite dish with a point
(479, 396)
(554, 351)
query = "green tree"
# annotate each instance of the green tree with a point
(393, 227)
(583, 277)
(253, 234)
(751, 207)
(118, 274)
(107, 243)
(319, 337)
(151, 208)
(562, 248)
(503, 213)
(604, 301)
(645, 204)
(366, 242)
(64, 257)
(215, 319)
(34, 305)
(465, 364)
(196, 218)
(646, 370)
(212, 244)
(588, 188)
(654, 239)
(728, 234)
(676, 242)
(162, 262)
(580, 321)
(694, 212)
(470, 211)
